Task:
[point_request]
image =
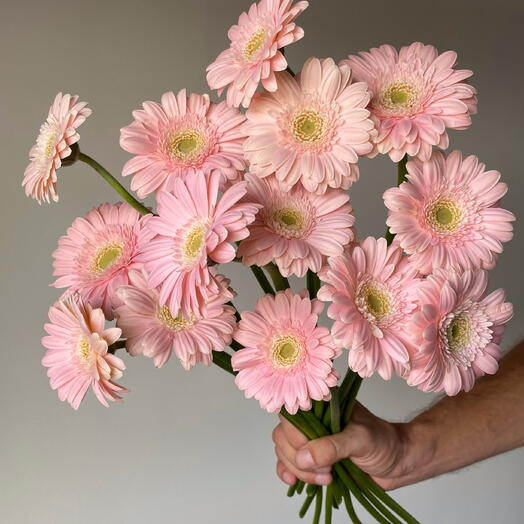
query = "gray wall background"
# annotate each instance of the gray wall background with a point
(187, 447)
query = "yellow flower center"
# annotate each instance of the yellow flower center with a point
(185, 145)
(444, 215)
(308, 127)
(255, 43)
(399, 96)
(194, 240)
(177, 323)
(289, 219)
(377, 302)
(458, 333)
(50, 145)
(286, 351)
(107, 256)
(83, 350)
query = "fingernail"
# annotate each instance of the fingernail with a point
(304, 459)
(322, 480)
(288, 478)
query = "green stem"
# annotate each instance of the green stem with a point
(349, 507)
(329, 504)
(318, 506)
(401, 177)
(318, 408)
(223, 360)
(307, 503)
(281, 283)
(351, 399)
(237, 314)
(334, 404)
(262, 279)
(345, 387)
(313, 284)
(111, 180)
(119, 344)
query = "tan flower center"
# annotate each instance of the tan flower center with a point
(185, 145)
(308, 127)
(376, 301)
(399, 96)
(458, 333)
(255, 43)
(286, 351)
(106, 256)
(50, 146)
(194, 241)
(444, 215)
(83, 350)
(177, 323)
(288, 221)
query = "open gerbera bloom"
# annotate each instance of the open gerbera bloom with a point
(372, 290)
(77, 355)
(457, 331)
(96, 254)
(194, 224)
(180, 136)
(287, 359)
(447, 214)
(417, 95)
(297, 229)
(152, 330)
(311, 129)
(57, 134)
(254, 55)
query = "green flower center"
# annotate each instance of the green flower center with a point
(444, 215)
(308, 127)
(376, 301)
(186, 144)
(107, 256)
(458, 332)
(286, 351)
(399, 96)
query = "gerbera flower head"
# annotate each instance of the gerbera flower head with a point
(77, 353)
(253, 55)
(447, 214)
(192, 225)
(180, 136)
(458, 330)
(57, 134)
(372, 290)
(96, 254)
(152, 330)
(297, 229)
(417, 95)
(311, 129)
(287, 359)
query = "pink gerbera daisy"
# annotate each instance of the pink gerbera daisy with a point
(77, 353)
(416, 95)
(57, 135)
(372, 290)
(254, 55)
(180, 136)
(448, 214)
(194, 224)
(297, 229)
(287, 359)
(458, 331)
(152, 330)
(96, 254)
(311, 129)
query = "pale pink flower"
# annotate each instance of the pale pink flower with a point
(311, 129)
(297, 229)
(96, 254)
(194, 224)
(417, 94)
(151, 329)
(57, 134)
(180, 136)
(372, 290)
(77, 353)
(253, 55)
(448, 214)
(457, 331)
(287, 359)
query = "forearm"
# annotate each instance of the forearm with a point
(461, 430)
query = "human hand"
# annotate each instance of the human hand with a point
(380, 448)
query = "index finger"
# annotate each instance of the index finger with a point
(295, 437)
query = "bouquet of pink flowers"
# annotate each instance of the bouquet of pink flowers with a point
(267, 188)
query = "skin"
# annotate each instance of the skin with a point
(454, 433)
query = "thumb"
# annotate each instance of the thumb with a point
(324, 451)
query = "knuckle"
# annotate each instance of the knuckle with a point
(276, 435)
